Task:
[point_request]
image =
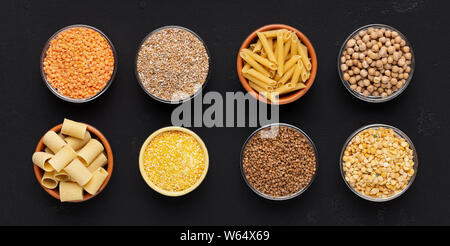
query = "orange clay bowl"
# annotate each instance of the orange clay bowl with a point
(290, 97)
(109, 166)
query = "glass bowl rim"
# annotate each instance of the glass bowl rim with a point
(370, 98)
(54, 90)
(283, 198)
(400, 134)
(138, 78)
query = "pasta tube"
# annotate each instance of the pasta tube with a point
(100, 161)
(296, 74)
(280, 53)
(260, 59)
(290, 63)
(98, 178)
(74, 129)
(258, 82)
(48, 180)
(62, 176)
(40, 159)
(90, 151)
(62, 158)
(266, 46)
(304, 56)
(78, 172)
(53, 141)
(253, 63)
(261, 77)
(77, 143)
(258, 46)
(286, 76)
(273, 33)
(245, 68)
(70, 191)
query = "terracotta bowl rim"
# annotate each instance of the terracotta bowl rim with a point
(55, 192)
(293, 96)
(147, 179)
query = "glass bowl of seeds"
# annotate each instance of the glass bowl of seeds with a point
(378, 162)
(78, 63)
(376, 63)
(172, 64)
(279, 161)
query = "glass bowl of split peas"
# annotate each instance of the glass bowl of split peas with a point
(78, 63)
(378, 162)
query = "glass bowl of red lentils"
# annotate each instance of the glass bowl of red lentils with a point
(378, 162)
(173, 64)
(78, 63)
(376, 63)
(279, 161)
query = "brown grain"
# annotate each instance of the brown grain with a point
(280, 165)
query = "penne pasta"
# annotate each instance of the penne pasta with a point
(296, 74)
(74, 129)
(304, 56)
(98, 177)
(253, 63)
(258, 82)
(53, 141)
(263, 61)
(41, 159)
(78, 172)
(261, 77)
(273, 33)
(90, 151)
(70, 191)
(287, 76)
(280, 53)
(266, 46)
(287, 48)
(48, 180)
(290, 63)
(258, 46)
(276, 63)
(47, 150)
(246, 68)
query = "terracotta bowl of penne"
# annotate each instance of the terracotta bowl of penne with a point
(277, 64)
(104, 167)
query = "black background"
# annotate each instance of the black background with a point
(126, 115)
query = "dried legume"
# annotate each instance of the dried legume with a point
(279, 163)
(172, 64)
(378, 163)
(79, 62)
(376, 62)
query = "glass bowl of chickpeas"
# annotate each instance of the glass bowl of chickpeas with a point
(376, 63)
(78, 63)
(378, 162)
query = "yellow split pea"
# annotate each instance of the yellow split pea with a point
(378, 163)
(174, 161)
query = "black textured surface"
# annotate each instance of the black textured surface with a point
(126, 115)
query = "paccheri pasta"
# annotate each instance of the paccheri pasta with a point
(276, 64)
(73, 160)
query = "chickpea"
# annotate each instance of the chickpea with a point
(351, 43)
(344, 67)
(352, 80)
(346, 76)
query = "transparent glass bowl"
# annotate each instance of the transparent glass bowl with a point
(373, 99)
(400, 134)
(283, 197)
(54, 90)
(161, 99)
